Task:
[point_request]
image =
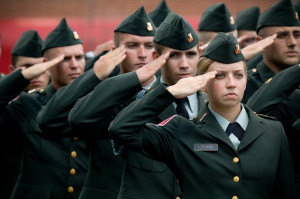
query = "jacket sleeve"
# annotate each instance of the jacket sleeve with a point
(93, 112)
(132, 128)
(285, 179)
(53, 117)
(269, 97)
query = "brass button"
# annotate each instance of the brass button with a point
(70, 189)
(178, 197)
(177, 181)
(42, 90)
(236, 159)
(234, 197)
(73, 154)
(72, 171)
(236, 179)
(75, 138)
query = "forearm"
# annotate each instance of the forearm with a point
(11, 86)
(131, 119)
(90, 110)
(54, 116)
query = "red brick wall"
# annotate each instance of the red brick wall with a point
(94, 20)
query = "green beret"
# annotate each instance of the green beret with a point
(175, 32)
(159, 13)
(280, 14)
(247, 19)
(139, 23)
(217, 18)
(224, 49)
(61, 36)
(29, 45)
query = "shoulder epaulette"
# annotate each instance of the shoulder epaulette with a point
(32, 91)
(265, 116)
(268, 81)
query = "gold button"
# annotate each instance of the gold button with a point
(75, 138)
(177, 181)
(236, 159)
(42, 90)
(236, 179)
(178, 197)
(73, 154)
(72, 171)
(234, 197)
(70, 189)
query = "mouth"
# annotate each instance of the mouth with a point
(291, 53)
(184, 75)
(140, 64)
(75, 75)
(231, 95)
(35, 83)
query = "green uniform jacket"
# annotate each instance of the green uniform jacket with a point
(296, 134)
(202, 155)
(105, 169)
(46, 162)
(10, 149)
(142, 177)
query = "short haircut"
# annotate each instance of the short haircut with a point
(14, 60)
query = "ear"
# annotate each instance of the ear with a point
(258, 38)
(11, 68)
(155, 55)
(200, 52)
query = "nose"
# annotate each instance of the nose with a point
(230, 81)
(74, 63)
(142, 52)
(292, 41)
(184, 62)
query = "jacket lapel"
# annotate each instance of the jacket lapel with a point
(209, 124)
(253, 131)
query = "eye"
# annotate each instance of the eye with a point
(282, 35)
(296, 34)
(173, 55)
(220, 76)
(149, 46)
(79, 57)
(191, 54)
(131, 45)
(239, 75)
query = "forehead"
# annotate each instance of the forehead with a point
(67, 50)
(217, 66)
(127, 38)
(275, 29)
(167, 49)
(22, 61)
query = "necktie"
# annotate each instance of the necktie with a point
(180, 109)
(140, 94)
(236, 129)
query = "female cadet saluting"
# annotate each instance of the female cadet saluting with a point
(228, 151)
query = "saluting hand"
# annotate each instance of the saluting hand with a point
(40, 68)
(190, 85)
(253, 49)
(147, 72)
(107, 63)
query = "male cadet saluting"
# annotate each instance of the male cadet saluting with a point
(228, 152)
(282, 20)
(216, 18)
(246, 21)
(25, 53)
(176, 44)
(159, 13)
(133, 36)
(46, 162)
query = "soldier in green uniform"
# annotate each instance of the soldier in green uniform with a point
(246, 22)
(26, 52)
(284, 52)
(134, 39)
(48, 169)
(176, 46)
(228, 151)
(159, 13)
(216, 18)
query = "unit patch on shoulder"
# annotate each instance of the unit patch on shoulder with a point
(163, 123)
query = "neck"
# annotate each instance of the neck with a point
(229, 113)
(148, 82)
(273, 66)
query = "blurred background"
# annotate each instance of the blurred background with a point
(94, 20)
